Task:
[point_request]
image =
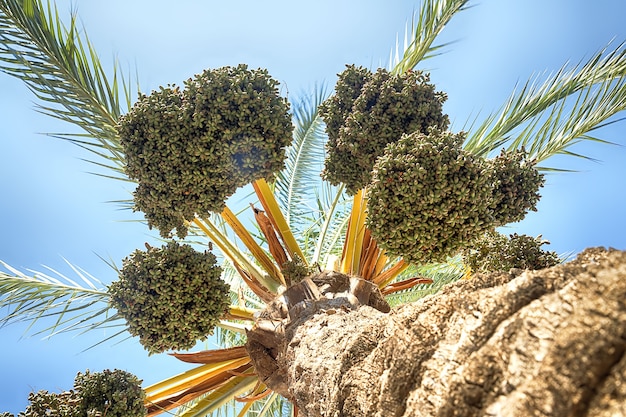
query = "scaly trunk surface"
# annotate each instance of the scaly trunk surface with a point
(523, 343)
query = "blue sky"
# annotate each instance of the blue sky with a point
(52, 208)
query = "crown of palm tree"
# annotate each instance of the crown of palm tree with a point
(294, 233)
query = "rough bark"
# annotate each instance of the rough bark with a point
(523, 343)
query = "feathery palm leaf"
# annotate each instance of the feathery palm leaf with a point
(304, 159)
(431, 19)
(64, 72)
(440, 273)
(312, 219)
(41, 296)
(549, 117)
(334, 213)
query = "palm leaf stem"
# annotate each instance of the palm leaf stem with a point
(212, 356)
(232, 327)
(190, 385)
(241, 313)
(247, 406)
(241, 262)
(257, 252)
(353, 244)
(236, 386)
(179, 383)
(405, 284)
(384, 278)
(260, 391)
(269, 203)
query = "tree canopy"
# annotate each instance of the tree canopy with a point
(402, 193)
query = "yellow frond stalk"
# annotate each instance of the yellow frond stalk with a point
(467, 272)
(233, 327)
(174, 385)
(259, 254)
(381, 262)
(212, 356)
(390, 274)
(270, 205)
(217, 398)
(353, 244)
(239, 260)
(245, 409)
(241, 313)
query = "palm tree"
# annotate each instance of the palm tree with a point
(292, 235)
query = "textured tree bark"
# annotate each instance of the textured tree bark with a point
(533, 343)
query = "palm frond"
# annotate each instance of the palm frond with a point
(64, 304)
(237, 385)
(334, 214)
(548, 117)
(304, 158)
(260, 282)
(106, 159)
(277, 219)
(253, 247)
(565, 127)
(60, 66)
(353, 244)
(426, 26)
(440, 273)
(188, 386)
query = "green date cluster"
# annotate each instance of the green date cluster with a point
(430, 198)
(190, 149)
(170, 297)
(370, 110)
(99, 394)
(515, 182)
(496, 252)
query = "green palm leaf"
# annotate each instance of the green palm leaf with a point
(426, 26)
(330, 226)
(548, 117)
(313, 219)
(72, 306)
(441, 273)
(64, 72)
(304, 159)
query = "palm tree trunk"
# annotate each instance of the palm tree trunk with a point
(544, 343)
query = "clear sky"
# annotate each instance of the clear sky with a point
(52, 208)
